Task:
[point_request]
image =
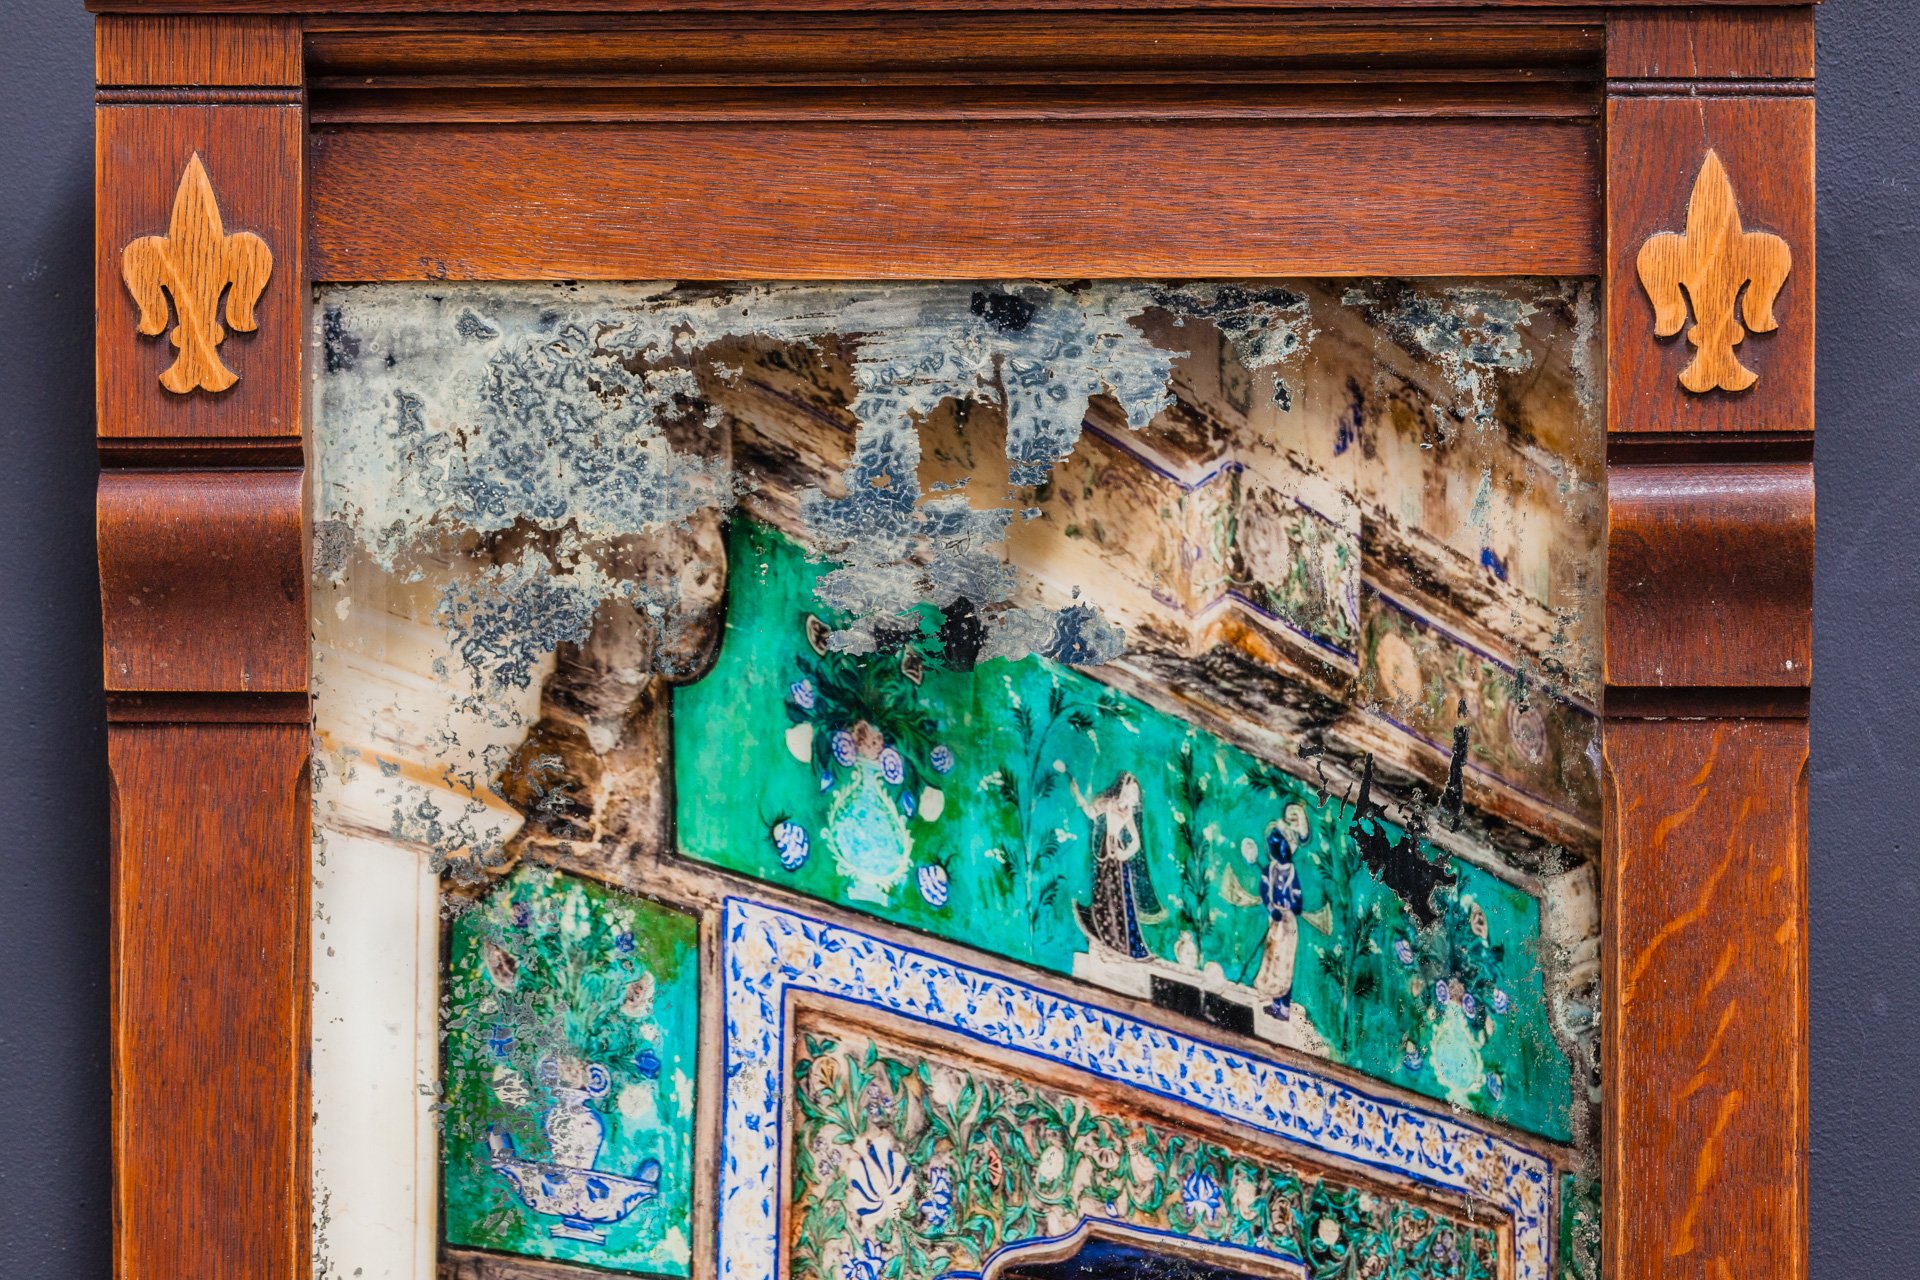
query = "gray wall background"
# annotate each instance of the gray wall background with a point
(55, 1209)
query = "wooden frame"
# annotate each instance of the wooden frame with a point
(1497, 138)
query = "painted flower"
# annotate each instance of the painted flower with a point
(933, 884)
(879, 1184)
(623, 942)
(843, 747)
(1495, 1087)
(936, 1207)
(941, 758)
(868, 1262)
(892, 767)
(1500, 1002)
(647, 1063)
(1411, 1058)
(1469, 1005)
(791, 842)
(1445, 1250)
(1403, 951)
(1327, 1231)
(906, 803)
(1201, 1195)
(1442, 992)
(500, 1041)
(802, 693)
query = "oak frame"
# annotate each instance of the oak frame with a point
(1499, 137)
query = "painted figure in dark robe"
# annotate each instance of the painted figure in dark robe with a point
(1280, 895)
(1123, 898)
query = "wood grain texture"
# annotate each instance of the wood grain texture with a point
(829, 48)
(252, 155)
(196, 51)
(1711, 44)
(185, 272)
(890, 201)
(202, 580)
(1655, 148)
(1710, 575)
(210, 1109)
(1721, 275)
(1704, 973)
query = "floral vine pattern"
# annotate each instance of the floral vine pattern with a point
(911, 1166)
(770, 952)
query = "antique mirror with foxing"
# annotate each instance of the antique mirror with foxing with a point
(1003, 641)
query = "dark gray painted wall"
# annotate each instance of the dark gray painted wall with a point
(54, 1206)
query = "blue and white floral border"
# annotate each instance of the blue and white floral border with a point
(767, 951)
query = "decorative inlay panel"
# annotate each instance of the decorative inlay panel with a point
(194, 263)
(1714, 260)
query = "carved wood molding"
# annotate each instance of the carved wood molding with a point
(1713, 261)
(1705, 762)
(194, 263)
(1709, 609)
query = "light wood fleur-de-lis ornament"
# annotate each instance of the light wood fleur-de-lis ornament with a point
(194, 262)
(1713, 259)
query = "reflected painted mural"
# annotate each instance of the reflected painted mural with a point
(1210, 658)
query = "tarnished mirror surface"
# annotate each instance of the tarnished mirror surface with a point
(873, 782)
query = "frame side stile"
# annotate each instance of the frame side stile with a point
(203, 599)
(1708, 666)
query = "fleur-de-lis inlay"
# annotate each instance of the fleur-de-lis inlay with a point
(1713, 260)
(194, 262)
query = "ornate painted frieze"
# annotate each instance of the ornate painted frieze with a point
(958, 1168)
(572, 1039)
(1094, 835)
(771, 955)
(1202, 671)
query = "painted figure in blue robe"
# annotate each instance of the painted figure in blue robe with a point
(1280, 895)
(1123, 898)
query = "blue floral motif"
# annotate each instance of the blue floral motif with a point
(1500, 1001)
(937, 1208)
(1442, 992)
(1495, 1087)
(868, 1262)
(892, 767)
(647, 1063)
(843, 749)
(623, 943)
(941, 758)
(790, 839)
(1201, 1195)
(1403, 951)
(906, 803)
(878, 1182)
(802, 693)
(933, 884)
(1468, 1005)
